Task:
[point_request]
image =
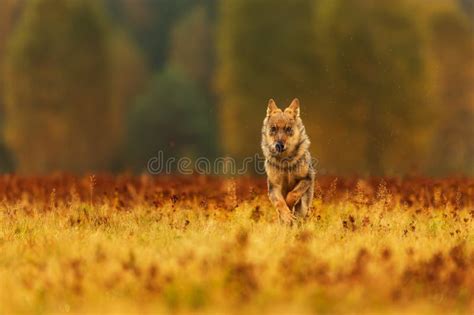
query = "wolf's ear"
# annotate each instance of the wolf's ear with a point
(294, 108)
(272, 107)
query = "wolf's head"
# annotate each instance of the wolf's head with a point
(283, 131)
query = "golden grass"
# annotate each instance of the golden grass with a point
(197, 245)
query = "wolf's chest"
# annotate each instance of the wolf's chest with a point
(288, 181)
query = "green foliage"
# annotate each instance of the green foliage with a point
(192, 46)
(150, 22)
(172, 116)
(60, 108)
(6, 161)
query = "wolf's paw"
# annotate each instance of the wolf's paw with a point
(287, 217)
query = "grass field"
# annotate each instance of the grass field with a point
(128, 244)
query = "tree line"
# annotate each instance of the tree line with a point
(386, 86)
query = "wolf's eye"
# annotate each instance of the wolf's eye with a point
(289, 130)
(273, 129)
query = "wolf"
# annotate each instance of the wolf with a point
(288, 162)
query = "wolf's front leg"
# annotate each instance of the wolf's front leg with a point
(278, 201)
(302, 207)
(295, 195)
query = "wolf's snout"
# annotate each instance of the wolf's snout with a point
(279, 147)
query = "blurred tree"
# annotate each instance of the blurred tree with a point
(128, 75)
(192, 46)
(357, 66)
(192, 54)
(374, 56)
(468, 7)
(150, 23)
(61, 112)
(452, 41)
(9, 12)
(263, 50)
(171, 116)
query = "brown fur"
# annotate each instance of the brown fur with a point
(290, 173)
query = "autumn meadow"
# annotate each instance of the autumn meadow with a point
(125, 244)
(131, 161)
